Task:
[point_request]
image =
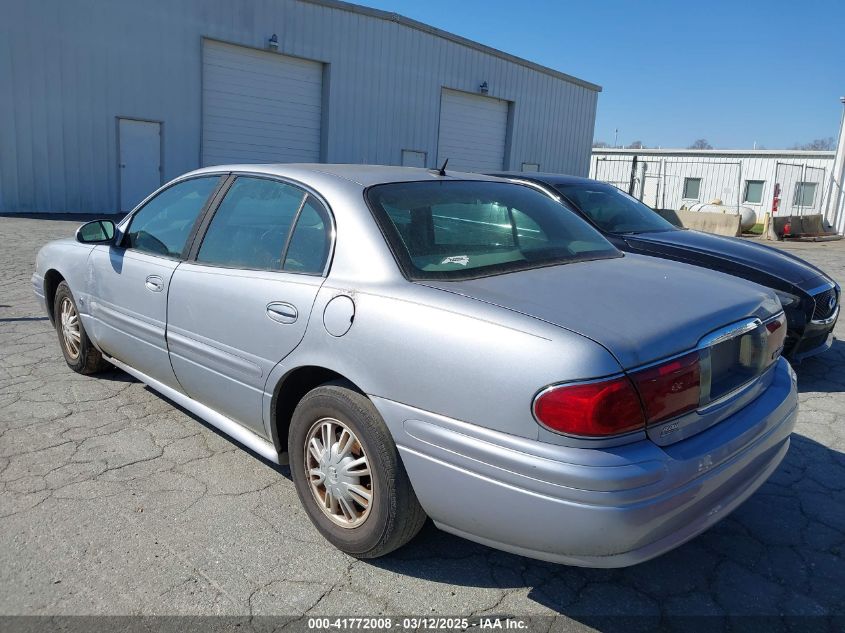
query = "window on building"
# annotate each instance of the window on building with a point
(413, 158)
(530, 166)
(754, 191)
(805, 194)
(692, 188)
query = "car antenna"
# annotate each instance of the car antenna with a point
(442, 170)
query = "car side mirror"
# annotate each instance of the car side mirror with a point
(96, 232)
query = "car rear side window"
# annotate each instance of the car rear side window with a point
(455, 229)
(613, 210)
(309, 245)
(251, 226)
(162, 226)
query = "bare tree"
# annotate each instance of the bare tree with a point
(818, 144)
(701, 144)
(635, 145)
(600, 144)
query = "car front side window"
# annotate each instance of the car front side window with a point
(162, 226)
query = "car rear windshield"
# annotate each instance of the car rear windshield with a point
(612, 210)
(456, 229)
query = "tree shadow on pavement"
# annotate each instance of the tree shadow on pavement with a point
(778, 555)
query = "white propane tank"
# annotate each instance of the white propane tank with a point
(747, 216)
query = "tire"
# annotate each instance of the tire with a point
(393, 516)
(81, 356)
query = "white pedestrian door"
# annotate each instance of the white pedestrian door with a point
(473, 131)
(140, 160)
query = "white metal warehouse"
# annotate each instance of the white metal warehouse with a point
(672, 178)
(103, 100)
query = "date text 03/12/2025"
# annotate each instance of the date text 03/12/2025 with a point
(416, 623)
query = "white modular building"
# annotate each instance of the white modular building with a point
(101, 101)
(791, 181)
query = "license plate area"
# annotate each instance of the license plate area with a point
(733, 357)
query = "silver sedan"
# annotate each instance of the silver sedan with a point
(432, 344)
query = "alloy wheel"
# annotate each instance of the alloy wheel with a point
(338, 470)
(71, 334)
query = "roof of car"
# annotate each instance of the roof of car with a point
(548, 178)
(364, 175)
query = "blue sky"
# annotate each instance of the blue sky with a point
(671, 72)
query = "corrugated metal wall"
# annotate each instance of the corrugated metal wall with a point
(723, 175)
(68, 69)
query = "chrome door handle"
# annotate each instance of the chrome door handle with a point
(282, 312)
(154, 283)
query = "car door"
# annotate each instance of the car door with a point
(129, 281)
(242, 301)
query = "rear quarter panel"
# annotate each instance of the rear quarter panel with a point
(445, 354)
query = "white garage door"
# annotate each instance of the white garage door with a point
(473, 130)
(259, 107)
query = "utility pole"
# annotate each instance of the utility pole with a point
(615, 138)
(834, 211)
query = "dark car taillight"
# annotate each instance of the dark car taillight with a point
(671, 388)
(593, 409)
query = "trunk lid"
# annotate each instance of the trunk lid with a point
(640, 308)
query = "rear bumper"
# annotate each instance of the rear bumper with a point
(595, 507)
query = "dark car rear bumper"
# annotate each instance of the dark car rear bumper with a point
(816, 338)
(816, 335)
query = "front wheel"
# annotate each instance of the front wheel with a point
(348, 473)
(80, 354)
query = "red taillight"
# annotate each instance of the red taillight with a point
(595, 409)
(777, 336)
(670, 389)
(620, 405)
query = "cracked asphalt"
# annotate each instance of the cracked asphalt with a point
(115, 501)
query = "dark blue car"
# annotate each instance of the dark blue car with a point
(810, 298)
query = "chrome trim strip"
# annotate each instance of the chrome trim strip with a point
(705, 378)
(534, 185)
(728, 332)
(215, 419)
(774, 316)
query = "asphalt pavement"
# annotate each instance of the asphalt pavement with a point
(115, 501)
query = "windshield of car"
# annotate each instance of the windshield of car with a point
(613, 210)
(464, 229)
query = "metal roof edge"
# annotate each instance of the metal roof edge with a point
(390, 16)
(716, 152)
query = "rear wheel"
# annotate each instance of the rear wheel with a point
(80, 354)
(348, 473)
